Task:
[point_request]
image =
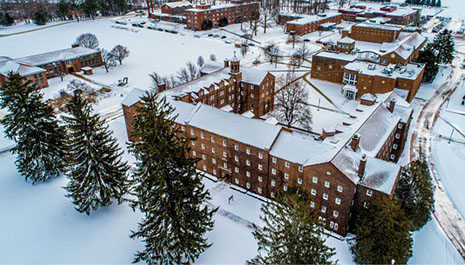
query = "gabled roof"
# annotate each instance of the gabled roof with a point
(57, 56)
(8, 65)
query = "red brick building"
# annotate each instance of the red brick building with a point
(41, 67)
(399, 16)
(205, 16)
(172, 12)
(342, 171)
(307, 24)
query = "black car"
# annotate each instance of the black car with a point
(223, 37)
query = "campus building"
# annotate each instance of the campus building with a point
(205, 16)
(304, 24)
(393, 14)
(342, 168)
(53, 64)
(172, 12)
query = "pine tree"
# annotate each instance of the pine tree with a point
(31, 123)
(382, 234)
(415, 191)
(168, 188)
(428, 57)
(291, 234)
(94, 166)
(444, 44)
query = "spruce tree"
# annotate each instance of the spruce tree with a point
(31, 123)
(445, 47)
(415, 192)
(93, 163)
(168, 188)
(382, 234)
(428, 57)
(291, 234)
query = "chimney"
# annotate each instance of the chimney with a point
(355, 142)
(226, 63)
(161, 87)
(74, 45)
(361, 167)
(392, 104)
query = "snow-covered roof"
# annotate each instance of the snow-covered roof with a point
(337, 56)
(211, 67)
(410, 71)
(379, 175)
(178, 4)
(378, 26)
(253, 76)
(133, 97)
(8, 65)
(57, 56)
(346, 40)
(252, 132)
(223, 6)
(368, 96)
(309, 19)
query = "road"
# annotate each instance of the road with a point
(448, 217)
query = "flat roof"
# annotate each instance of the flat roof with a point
(410, 71)
(309, 19)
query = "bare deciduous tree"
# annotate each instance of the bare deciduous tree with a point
(120, 52)
(200, 61)
(107, 59)
(291, 106)
(212, 57)
(87, 40)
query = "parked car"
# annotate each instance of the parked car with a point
(228, 42)
(251, 44)
(319, 42)
(216, 35)
(196, 36)
(210, 35)
(306, 40)
(223, 37)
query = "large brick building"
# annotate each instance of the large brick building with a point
(394, 14)
(309, 23)
(205, 16)
(342, 170)
(29, 72)
(55, 63)
(172, 12)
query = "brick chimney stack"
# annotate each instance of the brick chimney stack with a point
(226, 63)
(355, 142)
(161, 87)
(361, 167)
(392, 105)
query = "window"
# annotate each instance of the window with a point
(260, 155)
(397, 136)
(204, 157)
(225, 165)
(247, 185)
(335, 226)
(394, 147)
(213, 160)
(287, 164)
(323, 209)
(194, 153)
(236, 180)
(236, 169)
(327, 184)
(273, 160)
(260, 167)
(192, 131)
(202, 135)
(247, 173)
(286, 176)
(313, 192)
(365, 204)
(315, 179)
(213, 149)
(273, 183)
(331, 224)
(247, 150)
(212, 138)
(193, 142)
(214, 171)
(272, 195)
(312, 204)
(325, 196)
(247, 162)
(236, 158)
(299, 180)
(338, 201)
(224, 142)
(285, 187)
(236, 147)
(259, 190)
(273, 171)
(301, 168)
(203, 146)
(260, 179)
(399, 126)
(183, 128)
(369, 193)
(225, 154)
(328, 173)
(393, 156)
(204, 168)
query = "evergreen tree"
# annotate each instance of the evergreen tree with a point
(6, 19)
(444, 44)
(89, 7)
(41, 17)
(415, 192)
(382, 234)
(168, 188)
(63, 9)
(428, 57)
(31, 123)
(94, 166)
(438, 3)
(291, 234)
